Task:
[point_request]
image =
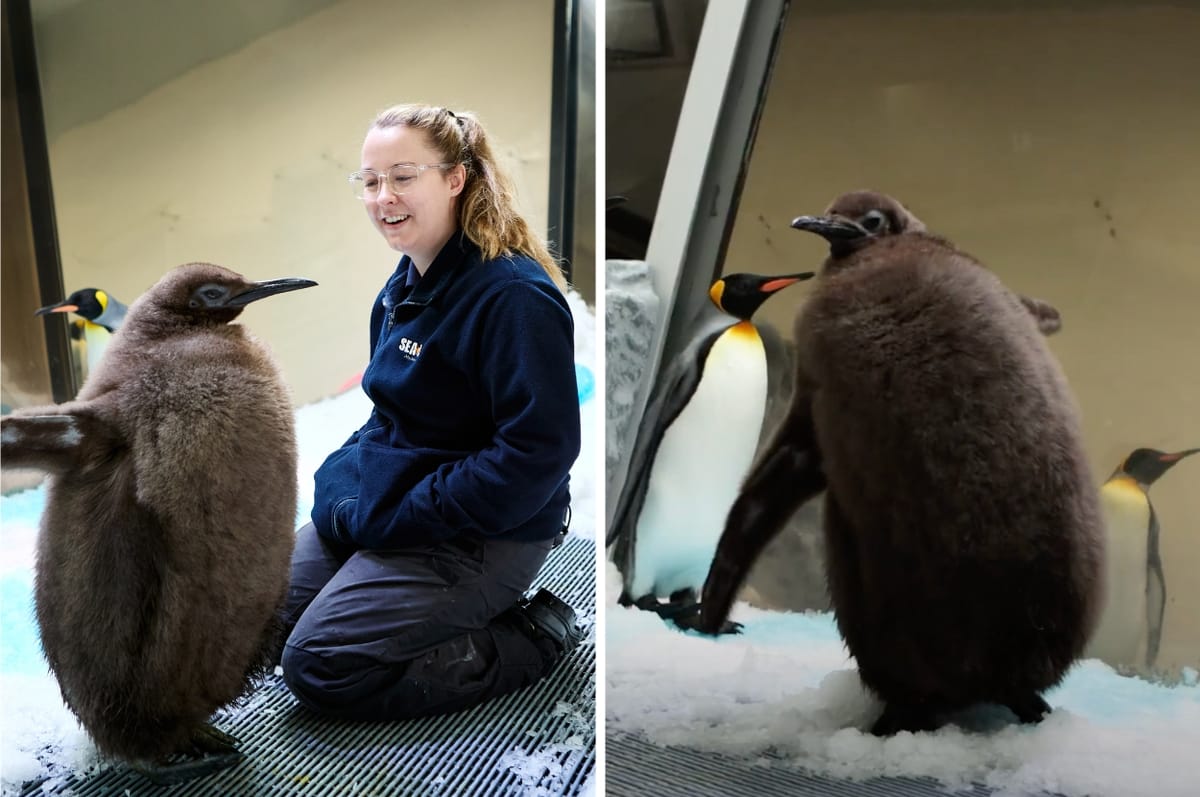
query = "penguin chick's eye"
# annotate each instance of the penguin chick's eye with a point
(875, 221)
(207, 296)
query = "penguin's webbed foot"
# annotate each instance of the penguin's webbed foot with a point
(1030, 708)
(647, 603)
(688, 618)
(180, 769)
(683, 610)
(898, 717)
(207, 751)
(211, 739)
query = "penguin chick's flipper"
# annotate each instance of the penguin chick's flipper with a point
(788, 474)
(1049, 320)
(212, 750)
(54, 443)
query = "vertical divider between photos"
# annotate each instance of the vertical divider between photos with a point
(595, 27)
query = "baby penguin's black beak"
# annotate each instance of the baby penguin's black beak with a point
(261, 290)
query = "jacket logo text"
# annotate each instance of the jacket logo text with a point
(410, 347)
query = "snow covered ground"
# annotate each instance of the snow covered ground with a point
(33, 719)
(787, 685)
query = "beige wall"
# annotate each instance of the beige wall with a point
(242, 160)
(1060, 147)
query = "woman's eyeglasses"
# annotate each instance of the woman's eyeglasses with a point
(367, 183)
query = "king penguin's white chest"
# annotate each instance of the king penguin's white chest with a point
(700, 464)
(1121, 635)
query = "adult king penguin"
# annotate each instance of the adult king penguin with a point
(964, 545)
(164, 550)
(100, 315)
(695, 443)
(1130, 629)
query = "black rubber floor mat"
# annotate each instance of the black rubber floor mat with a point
(540, 741)
(634, 768)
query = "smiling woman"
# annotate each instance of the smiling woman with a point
(414, 215)
(430, 522)
(407, 140)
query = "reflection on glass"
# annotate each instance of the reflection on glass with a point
(649, 45)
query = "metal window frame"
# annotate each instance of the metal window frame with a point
(18, 19)
(570, 20)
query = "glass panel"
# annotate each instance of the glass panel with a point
(1058, 145)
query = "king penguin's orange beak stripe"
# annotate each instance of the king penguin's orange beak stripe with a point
(775, 285)
(66, 308)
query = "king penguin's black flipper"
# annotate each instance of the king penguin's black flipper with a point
(786, 475)
(54, 443)
(1156, 591)
(671, 395)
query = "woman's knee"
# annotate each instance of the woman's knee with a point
(344, 685)
(298, 673)
(314, 680)
(348, 686)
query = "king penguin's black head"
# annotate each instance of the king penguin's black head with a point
(1145, 465)
(201, 293)
(740, 295)
(857, 219)
(88, 303)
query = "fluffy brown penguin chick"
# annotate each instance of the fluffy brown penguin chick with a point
(163, 556)
(963, 537)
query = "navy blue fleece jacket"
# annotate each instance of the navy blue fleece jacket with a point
(476, 419)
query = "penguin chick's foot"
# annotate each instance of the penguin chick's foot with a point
(1030, 708)
(898, 717)
(211, 739)
(209, 750)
